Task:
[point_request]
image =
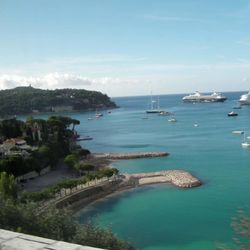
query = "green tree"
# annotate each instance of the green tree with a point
(57, 224)
(8, 186)
(108, 172)
(84, 167)
(70, 160)
(11, 128)
(81, 152)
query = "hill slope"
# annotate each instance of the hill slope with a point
(25, 100)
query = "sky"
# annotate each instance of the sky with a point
(126, 47)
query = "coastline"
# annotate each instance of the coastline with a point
(109, 195)
(117, 185)
(85, 195)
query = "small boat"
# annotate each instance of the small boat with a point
(90, 118)
(245, 144)
(232, 113)
(196, 125)
(98, 115)
(172, 120)
(164, 113)
(238, 132)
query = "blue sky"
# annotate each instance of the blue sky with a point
(126, 47)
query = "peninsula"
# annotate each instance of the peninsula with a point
(28, 100)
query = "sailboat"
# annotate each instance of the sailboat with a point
(153, 109)
(245, 143)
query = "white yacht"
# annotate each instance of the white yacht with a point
(198, 97)
(245, 99)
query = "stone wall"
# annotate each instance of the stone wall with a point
(84, 197)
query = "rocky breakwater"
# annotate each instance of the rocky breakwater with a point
(127, 156)
(179, 178)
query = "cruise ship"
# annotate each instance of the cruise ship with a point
(245, 99)
(198, 97)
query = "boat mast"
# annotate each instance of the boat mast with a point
(152, 107)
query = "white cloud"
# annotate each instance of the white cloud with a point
(138, 78)
(50, 81)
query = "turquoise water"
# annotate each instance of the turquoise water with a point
(161, 216)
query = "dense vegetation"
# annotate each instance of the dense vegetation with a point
(25, 100)
(49, 141)
(55, 224)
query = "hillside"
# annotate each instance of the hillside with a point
(25, 100)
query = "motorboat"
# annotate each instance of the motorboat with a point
(232, 113)
(245, 99)
(245, 144)
(172, 120)
(164, 113)
(198, 97)
(238, 132)
(98, 115)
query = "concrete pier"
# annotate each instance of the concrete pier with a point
(179, 178)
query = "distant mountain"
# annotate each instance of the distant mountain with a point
(26, 100)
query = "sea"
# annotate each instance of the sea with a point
(164, 217)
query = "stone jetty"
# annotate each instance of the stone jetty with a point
(179, 178)
(127, 156)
